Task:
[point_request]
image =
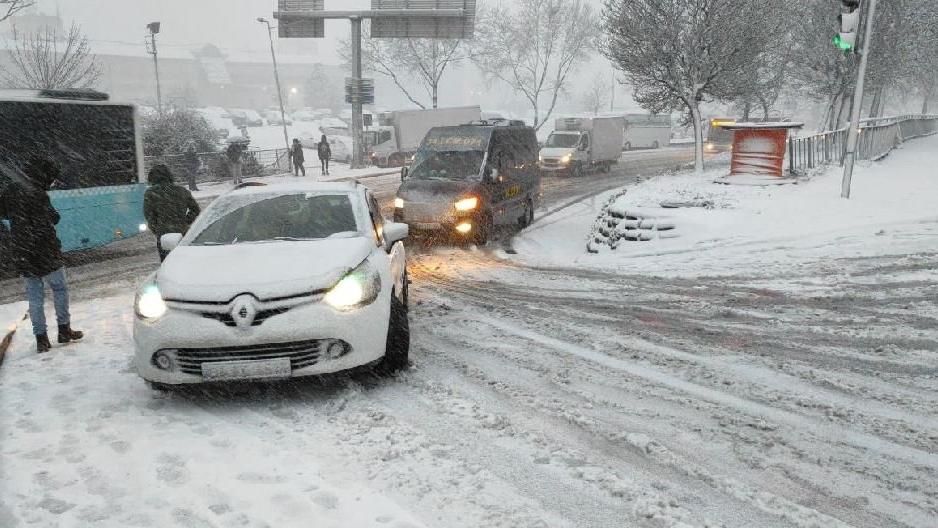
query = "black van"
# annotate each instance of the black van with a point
(467, 180)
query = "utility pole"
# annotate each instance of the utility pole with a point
(853, 133)
(357, 119)
(273, 56)
(154, 28)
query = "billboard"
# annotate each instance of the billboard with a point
(424, 26)
(300, 28)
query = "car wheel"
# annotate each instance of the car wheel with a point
(627, 146)
(397, 350)
(655, 145)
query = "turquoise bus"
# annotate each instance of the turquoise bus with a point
(96, 144)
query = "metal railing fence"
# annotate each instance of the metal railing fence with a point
(214, 166)
(878, 137)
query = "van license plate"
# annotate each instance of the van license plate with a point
(253, 369)
(427, 226)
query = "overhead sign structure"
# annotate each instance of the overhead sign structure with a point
(448, 27)
(300, 27)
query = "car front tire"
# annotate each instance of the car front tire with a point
(397, 349)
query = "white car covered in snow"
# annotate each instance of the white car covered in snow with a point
(276, 282)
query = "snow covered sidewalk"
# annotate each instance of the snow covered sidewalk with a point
(732, 229)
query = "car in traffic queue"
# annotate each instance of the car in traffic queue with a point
(273, 282)
(466, 181)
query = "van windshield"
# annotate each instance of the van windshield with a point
(562, 140)
(447, 165)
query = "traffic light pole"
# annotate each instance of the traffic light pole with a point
(853, 133)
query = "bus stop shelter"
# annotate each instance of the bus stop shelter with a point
(759, 152)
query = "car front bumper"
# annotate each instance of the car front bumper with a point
(302, 334)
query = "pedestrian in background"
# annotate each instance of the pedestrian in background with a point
(167, 207)
(192, 166)
(325, 154)
(36, 250)
(234, 152)
(296, 153)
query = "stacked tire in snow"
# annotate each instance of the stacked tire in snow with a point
(618, 223)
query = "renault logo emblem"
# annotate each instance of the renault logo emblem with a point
(243, 311)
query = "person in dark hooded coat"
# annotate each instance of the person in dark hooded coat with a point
(35, 248)
(167, 207)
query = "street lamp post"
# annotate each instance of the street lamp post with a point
(273, 56)
(154, 28)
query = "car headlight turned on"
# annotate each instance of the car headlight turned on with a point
(464, 228)
(359, 287)
(149, 303)
(398, 203)
(467, 204)
(566, 159)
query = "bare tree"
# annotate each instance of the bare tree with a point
(596, 96)
(9, 8)
(42, 60)
(535, 47)
(401, 59)
(677, 53)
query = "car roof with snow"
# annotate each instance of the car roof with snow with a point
(296, 187)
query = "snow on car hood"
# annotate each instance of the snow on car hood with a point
(555, 152)
(433, 191)
(266, 270)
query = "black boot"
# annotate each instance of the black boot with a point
(66, 334)
(42, 343)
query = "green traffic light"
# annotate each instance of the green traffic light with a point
(842, 44)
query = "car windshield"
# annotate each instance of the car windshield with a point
(289, 217)
(456, 165)
(562, 140)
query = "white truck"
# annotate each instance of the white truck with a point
(399, 133)
(647, 131)
(580, 144)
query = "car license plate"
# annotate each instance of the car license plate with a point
(427, 226)
(253, 369)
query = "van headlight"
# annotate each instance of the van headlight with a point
(467, 204)
(359, 287)
(149, 303)
(566, 158)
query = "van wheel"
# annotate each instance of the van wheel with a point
(655, 145)
(627, 146)
(483, 232)
(528, 217)
(397, 349)
(578, 170)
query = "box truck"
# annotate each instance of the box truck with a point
(399, 133)
(647, 131)
(581, 144)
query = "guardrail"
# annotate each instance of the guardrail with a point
(878, 137)
(213, 166)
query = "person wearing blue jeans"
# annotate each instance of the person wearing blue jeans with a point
(35, 249)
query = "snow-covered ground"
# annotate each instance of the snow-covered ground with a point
(743, 228)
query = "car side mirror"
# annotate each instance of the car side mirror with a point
(404, 172)
(395, 232)
(170, 241)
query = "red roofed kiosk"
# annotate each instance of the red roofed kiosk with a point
(759, 152)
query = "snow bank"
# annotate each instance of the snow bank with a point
(733, 228)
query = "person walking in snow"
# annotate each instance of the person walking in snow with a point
(36, 251)
(235, 149)
(296, 153)
(325, 154)
(167, 207)
(192, 166)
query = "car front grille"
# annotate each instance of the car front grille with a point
(227, 319)
(429, 212)
(301, 354)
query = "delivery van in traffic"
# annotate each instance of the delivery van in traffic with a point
(466, 181)
(581, 144)
(398, 134)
